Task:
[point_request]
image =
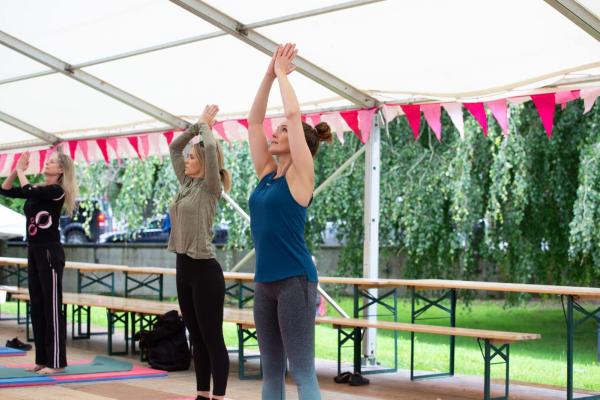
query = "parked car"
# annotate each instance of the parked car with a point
(157, 230)
(91, 219)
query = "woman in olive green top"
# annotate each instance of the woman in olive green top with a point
(200, 283)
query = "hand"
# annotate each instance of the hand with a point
(282, 59)
(23, 162)
(208, 115)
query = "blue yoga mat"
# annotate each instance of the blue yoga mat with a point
(8, 351)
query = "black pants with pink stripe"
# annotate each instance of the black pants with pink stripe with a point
(46, 263)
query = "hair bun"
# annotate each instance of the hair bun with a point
(324, 132)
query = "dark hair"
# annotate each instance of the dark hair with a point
(314, 136)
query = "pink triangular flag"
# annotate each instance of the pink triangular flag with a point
(545, 105)
(145, 145)
(390, 112)
(133, 141)
(42, 159)
(334, 120)
(365, 123)
(218, 126)
(268, 128)
(314, 119)
(243, 122)
(16, 157)
(169, 136)
(2, 161)
(72, 148)
(413, 115)
(433, 115)
(565, 96)
(114, 144)
(351, 118)
(455, 112)
(83, 146)
(589, 98)
(477, 110)
(103, 149)
(499, 109)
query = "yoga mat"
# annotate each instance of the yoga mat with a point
(137, 372)
(37, 381)
(10, 352)
(98, 365)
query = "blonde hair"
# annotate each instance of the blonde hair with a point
(67, 181)
(224, 173)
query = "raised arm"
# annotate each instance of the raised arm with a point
(7, 188)
(211, 160)
(302, 159)
(259, 149)
(176, 151)
(261, 158)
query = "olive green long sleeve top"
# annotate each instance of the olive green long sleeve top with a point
(193, 210)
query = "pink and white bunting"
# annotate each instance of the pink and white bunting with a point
(433, 115)
(457, 116)
(499, 110)
(589, 97)
(545, 104)
(358, 121)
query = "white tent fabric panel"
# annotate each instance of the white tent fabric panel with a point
(78, 31)
(11, 134)
(183, 79)
(396, 51)
(14, 64)
(416, 47)
(56, 103)
(591, 5)
(258, 10)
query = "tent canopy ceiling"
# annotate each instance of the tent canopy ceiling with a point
(389, 51)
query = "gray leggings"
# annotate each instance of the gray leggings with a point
(284, 312)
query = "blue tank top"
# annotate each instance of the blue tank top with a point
(277, 227)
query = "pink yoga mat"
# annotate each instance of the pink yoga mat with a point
(136, 372)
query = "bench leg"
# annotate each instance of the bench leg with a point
(153, 282)
(388, 300)
(244, 335)
(145, 323)
(489, 352)
(416, 314)
(20, 321)
(113, 318)
(572, 307)
(354, 335)
(76, 317)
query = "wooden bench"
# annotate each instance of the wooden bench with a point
(138, 314)
(11, 291)
(495, 344)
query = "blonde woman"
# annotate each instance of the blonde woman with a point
(45, 254)
(200, 283)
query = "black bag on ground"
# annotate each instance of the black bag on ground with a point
(166, 346)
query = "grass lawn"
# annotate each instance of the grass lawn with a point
(541, 361)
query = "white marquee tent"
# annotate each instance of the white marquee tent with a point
(86, 73)
(79, 69)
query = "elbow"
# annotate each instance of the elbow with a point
(292, 114)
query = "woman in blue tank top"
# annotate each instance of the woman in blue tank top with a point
(286, 277)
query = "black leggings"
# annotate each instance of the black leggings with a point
(201, 293)
(45, 266)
